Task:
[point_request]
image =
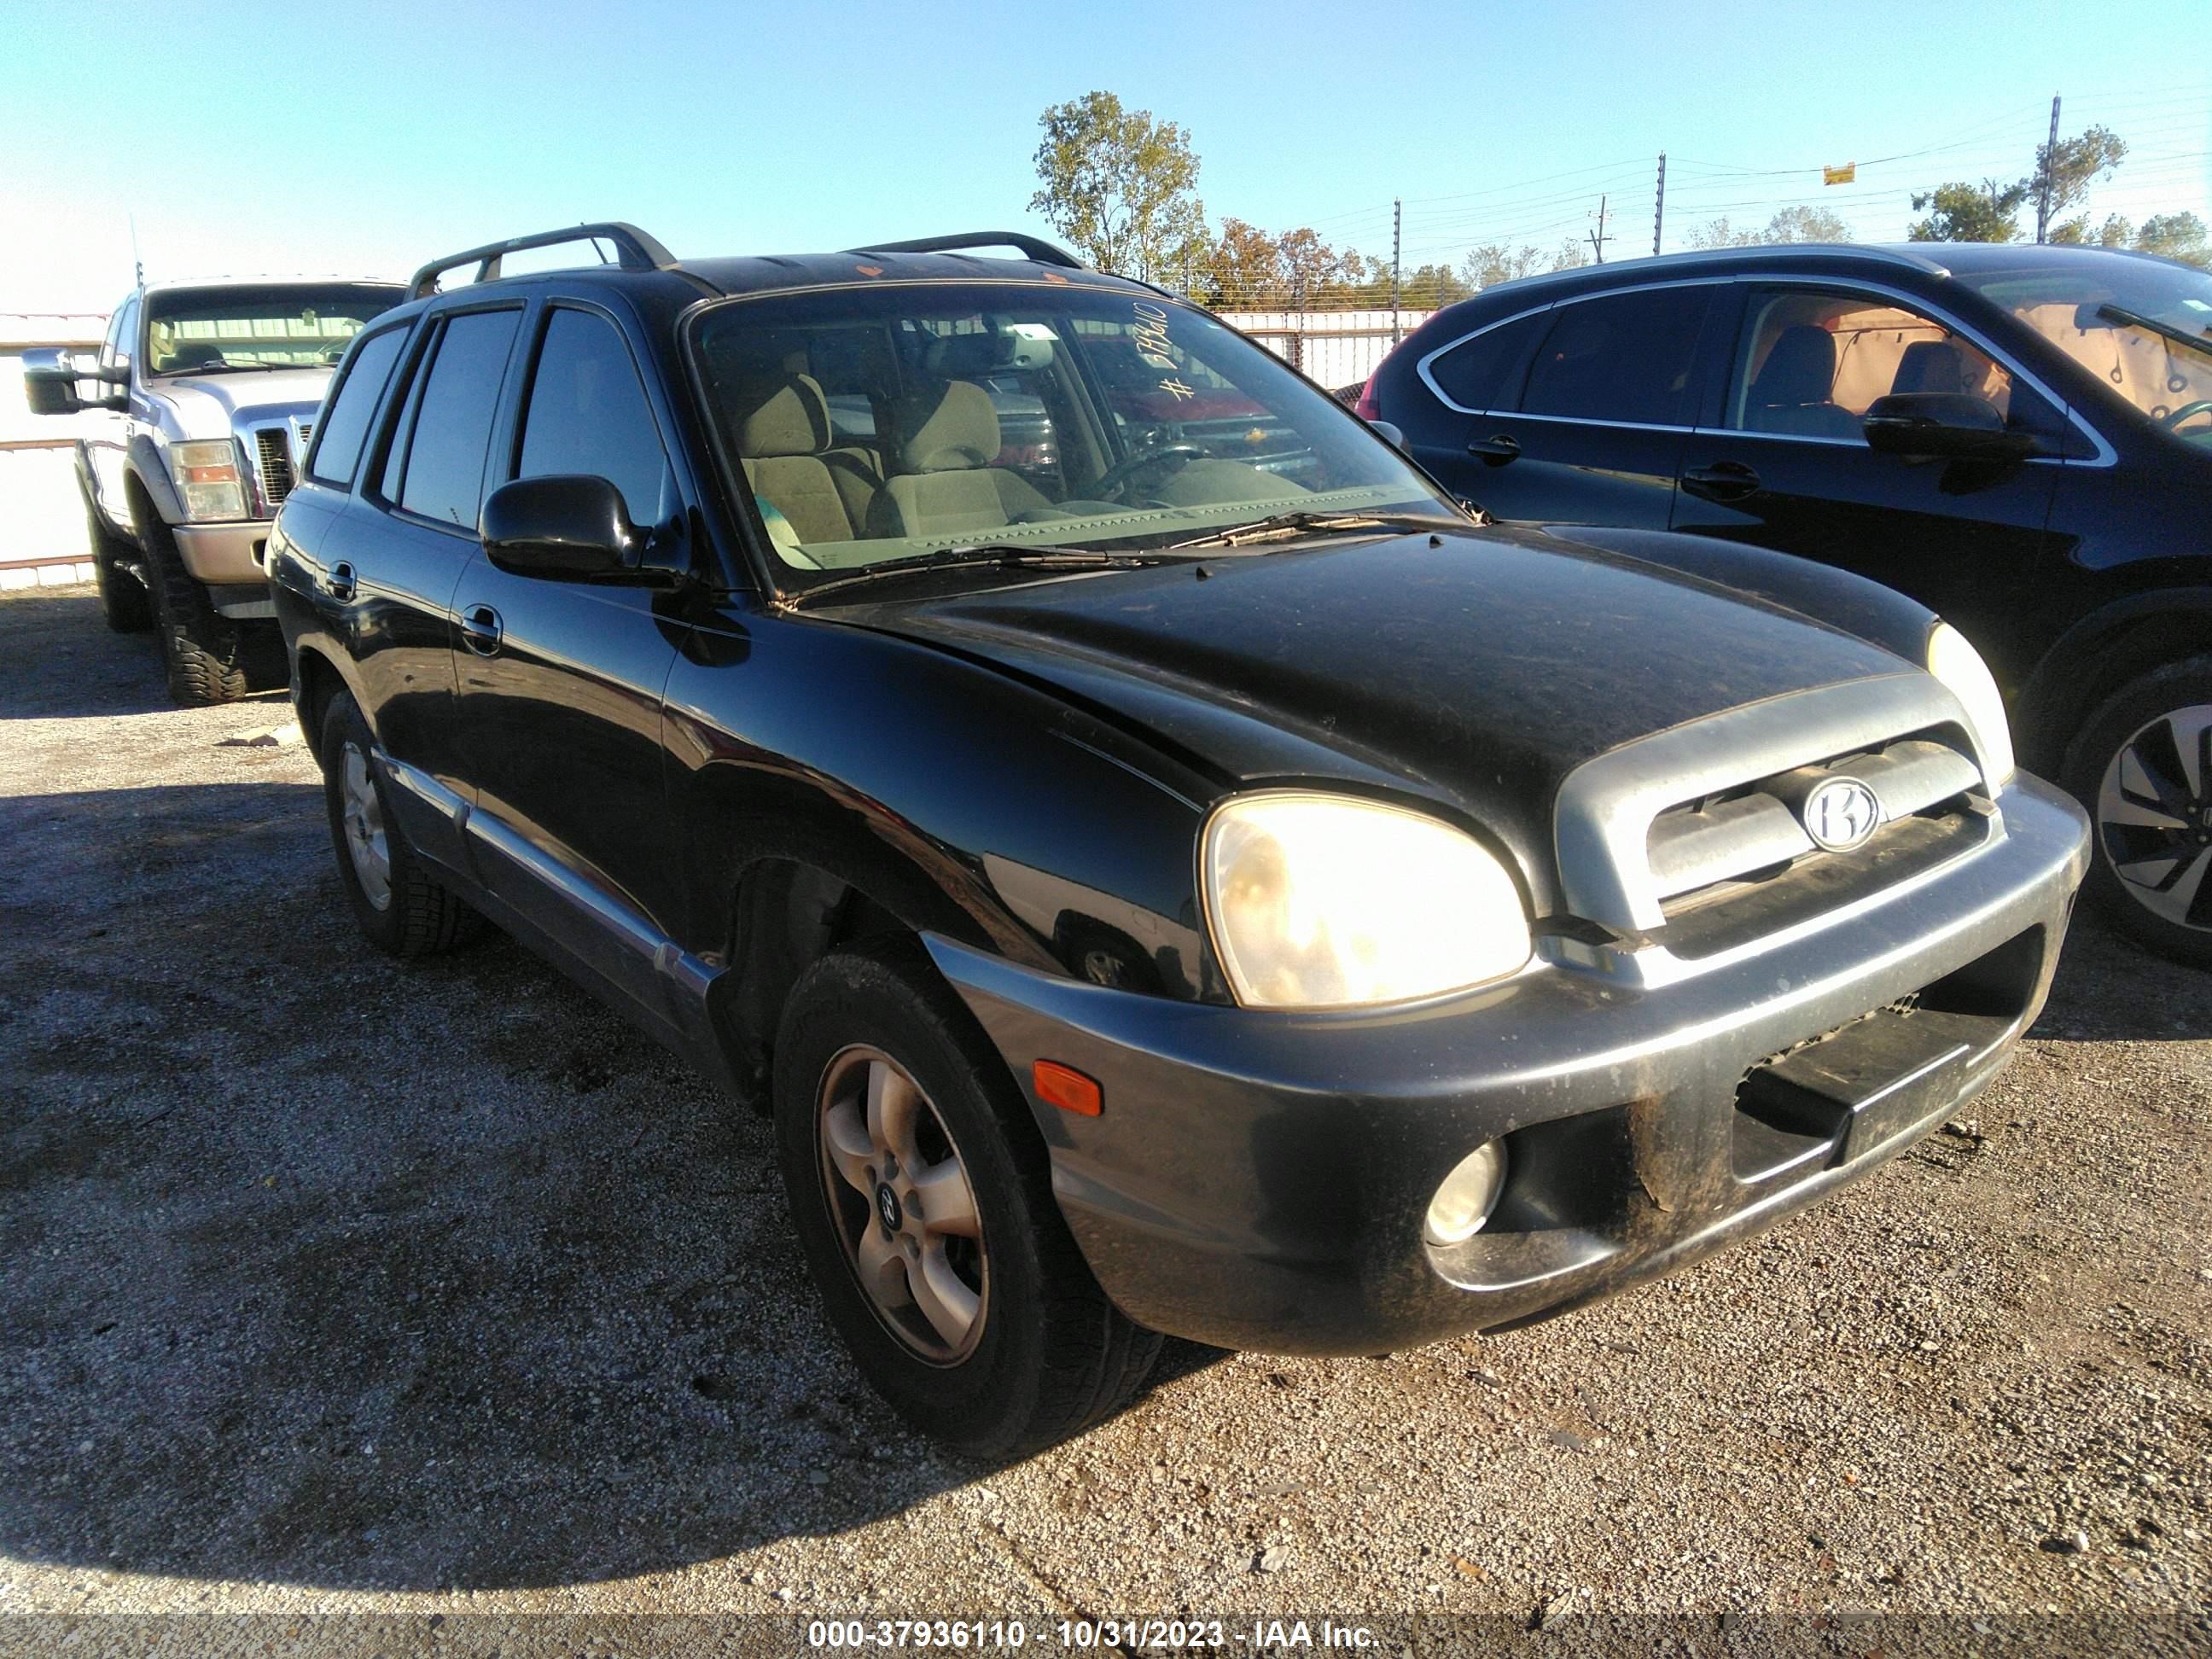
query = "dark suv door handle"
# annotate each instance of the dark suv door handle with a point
(341, 583)
(1724, 481)
(1496, 451)
(480, 628)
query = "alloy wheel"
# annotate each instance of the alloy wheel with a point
(2154, 816)
(362, 812)
(903, 1205)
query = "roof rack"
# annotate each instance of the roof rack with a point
(1033, 247)
(635, 251)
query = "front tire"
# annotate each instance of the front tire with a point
(402, 908)
(923, 1200)
(203, 652)
(2141, 765)
(123, 602)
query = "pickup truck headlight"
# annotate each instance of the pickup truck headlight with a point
(1967, 678)
(208, 479)
(1327, 902)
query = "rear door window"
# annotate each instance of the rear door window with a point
(1484, 372)
(588, 414)
(352, 406)
(443, 473)
(1626, 357)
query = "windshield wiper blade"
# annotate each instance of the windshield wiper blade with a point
(2164, 331)
(231, 368)
(982, 556)
(1288, 523)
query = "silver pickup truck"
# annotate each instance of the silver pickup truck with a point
(212, 388)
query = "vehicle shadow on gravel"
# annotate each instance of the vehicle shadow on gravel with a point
(65, 663)
(317, 1268)
(2110, 988)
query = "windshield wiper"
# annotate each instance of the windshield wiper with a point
(230, 369)
(982, 556)
(2164, 331)
(1277, 525)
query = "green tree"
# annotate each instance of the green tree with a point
(1121, 185)
(1495, 262)
(1806, 224)
(1988, 212)
(1721, 233)
(2177, 236)
(2071, 166)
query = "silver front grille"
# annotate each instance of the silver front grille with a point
(275, 456)
(1751, 830)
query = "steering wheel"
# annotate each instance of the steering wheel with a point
(1112, 479)
(2178, 415)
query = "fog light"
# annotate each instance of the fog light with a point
(1469, 1194)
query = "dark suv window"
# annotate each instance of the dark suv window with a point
(352, 404)
(1485, 373)
(444, 478)
(1620, 357)
(588, 414)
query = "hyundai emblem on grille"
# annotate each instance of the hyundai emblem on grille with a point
(1841, 814)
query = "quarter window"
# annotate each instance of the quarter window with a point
(444, 465)
(345, 423)
(588, 414)
(1485, 373)
(1620, 357)
(1809, 364)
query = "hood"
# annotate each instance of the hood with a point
(1477, 673)
(215, 405)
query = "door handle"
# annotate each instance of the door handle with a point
(481, 630)
(1496, 451)
(1724, 481)
(341, 581)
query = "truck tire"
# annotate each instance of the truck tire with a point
(204, 653)
(402, 908)
(2142, 766)
(954, 1282)
(123, 598)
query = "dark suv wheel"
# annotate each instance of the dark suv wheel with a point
(923, 1199)
(402, 908)
(2142, 766)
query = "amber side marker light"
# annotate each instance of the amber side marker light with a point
(1067, 1088)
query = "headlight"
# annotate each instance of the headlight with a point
(1967, 678)
(1325, 901)
(208, 479)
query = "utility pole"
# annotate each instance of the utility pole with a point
(1659, 208)
(1596, 237)
(2049, 156)
(1397, 223)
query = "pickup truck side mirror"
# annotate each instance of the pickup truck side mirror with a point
(1944, 425)
(51, 380)
(570, 527)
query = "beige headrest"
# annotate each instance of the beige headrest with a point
(948, 430)
(786, 416)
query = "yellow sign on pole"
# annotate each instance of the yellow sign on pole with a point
(1847, 174)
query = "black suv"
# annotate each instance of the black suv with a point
(2019, 437)
(1168, 890)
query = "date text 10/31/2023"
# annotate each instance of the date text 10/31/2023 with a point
(1258, 1635)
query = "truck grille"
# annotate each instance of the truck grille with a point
(273, 453)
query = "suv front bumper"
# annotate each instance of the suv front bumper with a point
(1258, 1179)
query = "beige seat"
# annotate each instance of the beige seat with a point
(784, 437)
(948, 438)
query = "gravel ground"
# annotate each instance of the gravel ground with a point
(330, 1284)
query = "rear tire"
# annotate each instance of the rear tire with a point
(1046, 1354)
(204, 653)
(2142, 766)
(124, 601)
(402, 908)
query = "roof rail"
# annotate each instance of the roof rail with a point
(1033, 247)
(636, 250)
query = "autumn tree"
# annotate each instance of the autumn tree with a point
(1792, 224)
(1121, 185)
(1495, 262)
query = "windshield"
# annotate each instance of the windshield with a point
(2142, 327)
(892, 423)
(289, 325)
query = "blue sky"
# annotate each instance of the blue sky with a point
(367, 138)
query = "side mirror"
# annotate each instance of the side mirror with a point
(1943, 425)
(50, 384)
(571, 527)
(1388, 431)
